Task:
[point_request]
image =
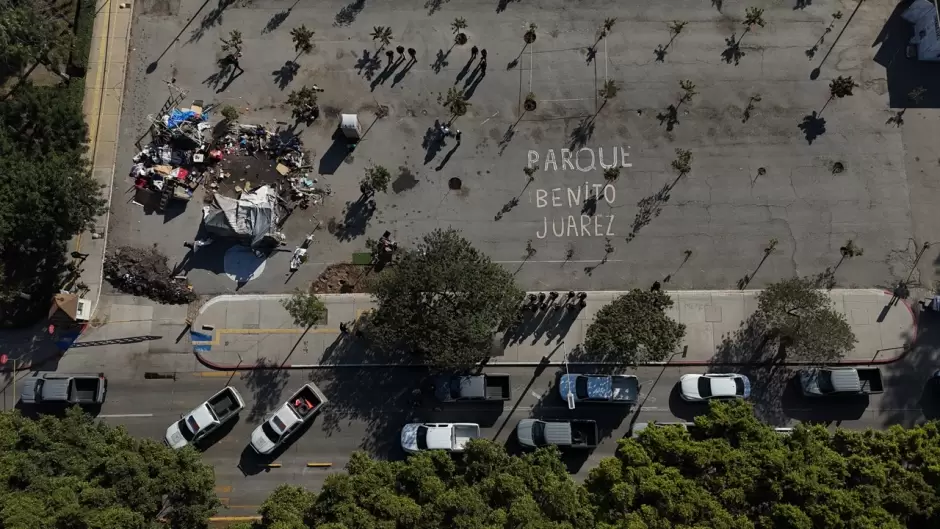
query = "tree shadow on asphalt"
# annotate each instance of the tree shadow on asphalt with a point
(356, 218)
(211, 19)
(347, 15)
(285, 74)
(267, 386)
(368, 64)
(582, 133)
(649, 208)
(813, 126)
(384, 398)
(906, 381)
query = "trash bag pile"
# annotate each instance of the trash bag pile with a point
(144, 272)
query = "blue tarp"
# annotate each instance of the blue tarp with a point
(178, 116)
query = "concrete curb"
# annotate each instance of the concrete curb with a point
(689, 363)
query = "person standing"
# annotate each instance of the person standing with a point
(482, 53)
(473, 52)
(413, 54)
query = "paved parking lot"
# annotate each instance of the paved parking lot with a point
(751, 180)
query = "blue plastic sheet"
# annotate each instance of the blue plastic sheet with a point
(178, 116)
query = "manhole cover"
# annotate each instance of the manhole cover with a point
(454, 183)
(837, 168)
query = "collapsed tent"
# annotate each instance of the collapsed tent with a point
(251, 219)
(923, 15)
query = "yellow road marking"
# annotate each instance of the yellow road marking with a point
(224, 501)
(273, 465)
(319, 465)
(217, 336)
(223, 489)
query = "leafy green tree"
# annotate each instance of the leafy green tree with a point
(233, 44)
(78, 472)
(443, 302)
(306, 309)
(485, 487)
(800, 319)
(383, 34)
(230, 113)
(377, 178)
(730, 471)
(28, 35)
(840, 87)
(456, 102)
(634, 328)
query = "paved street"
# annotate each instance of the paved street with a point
(369, 406)
(752, 180)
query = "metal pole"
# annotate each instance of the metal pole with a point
(15, 398)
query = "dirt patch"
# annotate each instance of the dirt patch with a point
(342, 278)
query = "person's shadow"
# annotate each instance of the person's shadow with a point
(447, 157)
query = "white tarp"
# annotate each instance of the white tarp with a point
(923, 15)
(252, 217)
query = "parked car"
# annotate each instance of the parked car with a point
(277, 427)
(47, 387)
(840, 381)
(452, 437)
(617, 389)
(576, 433)
(473, 388)
(205, 418)
(699, 388)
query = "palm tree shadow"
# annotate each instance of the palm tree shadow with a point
(368, 64)
(813, 126)
(732, 54)
(582, 133)
(211, 19)
(276, 21)
(285, 74)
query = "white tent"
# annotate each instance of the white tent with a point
(251, 218)
(923, 15)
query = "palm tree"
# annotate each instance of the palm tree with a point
(529, 36)
(753, 16)
(304, 103)
(458, 25)
(611, 173)
(917, 94)
(234, 43)
(456, 102)
(608, 25)
(689, 90)
(683, 163)
(676, 27)
(382, 34)
(303, 40)
(839, 87)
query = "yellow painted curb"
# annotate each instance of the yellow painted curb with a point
(273, 465)
(319, 465)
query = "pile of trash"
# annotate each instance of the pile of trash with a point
(178, 157)
(290, 161)
(146, 273)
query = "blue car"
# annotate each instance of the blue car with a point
(622, 389)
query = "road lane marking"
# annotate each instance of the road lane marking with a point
(224, 489)
(224, 501)
(214, 373)
(124, 415)
(319, 465)
(535, 394)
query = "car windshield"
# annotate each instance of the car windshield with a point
(825, 381)
(185, 431)
(581, 387)
(704, 387)
(269, 431)
(538, 433)
(738, 386)
(422, 437)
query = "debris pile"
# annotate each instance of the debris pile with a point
(177, 159)
(145, 273)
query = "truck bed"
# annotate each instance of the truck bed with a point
(583, 434)
(307, 400)
(626, 388)
(463, 433)
(498, 387)
(85, 389)
(223, 403)
(870, 378)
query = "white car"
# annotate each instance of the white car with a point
(699, 388)
(417, 437)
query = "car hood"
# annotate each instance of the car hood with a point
(174, 438)
(409, 437)
(524, 432)
(260, 442)
(688, 384)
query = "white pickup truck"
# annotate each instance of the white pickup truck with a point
(277, 427)
(452, 437)
(206, 418)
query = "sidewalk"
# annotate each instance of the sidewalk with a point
(248, 330)
(104, 93)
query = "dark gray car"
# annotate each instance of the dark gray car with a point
(47, 387)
